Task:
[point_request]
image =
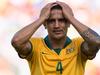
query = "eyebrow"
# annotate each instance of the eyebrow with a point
(58, 19)
(54, 19)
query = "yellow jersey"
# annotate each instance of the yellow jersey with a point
(47, 62)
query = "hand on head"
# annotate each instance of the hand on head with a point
(45, 12)
(67, 11)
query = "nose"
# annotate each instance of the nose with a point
(56, 23)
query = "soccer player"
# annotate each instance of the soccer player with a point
(56, 54)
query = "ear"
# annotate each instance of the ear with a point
(45, 27)
(45, 24)
(68, 24)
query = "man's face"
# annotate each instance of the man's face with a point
(56, 24)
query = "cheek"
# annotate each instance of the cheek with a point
(49, 29)
(64, 25)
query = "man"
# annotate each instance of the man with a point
(56, 54)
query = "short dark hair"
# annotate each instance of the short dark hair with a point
(56, 7)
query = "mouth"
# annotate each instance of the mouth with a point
(57, 31)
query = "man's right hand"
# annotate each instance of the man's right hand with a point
(45, 12)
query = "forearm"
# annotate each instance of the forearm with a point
(90, 36)
(24, 34)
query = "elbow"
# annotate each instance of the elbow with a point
(98, 42)
(95, 42)
(14, 42)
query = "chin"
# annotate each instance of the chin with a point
(58, 37)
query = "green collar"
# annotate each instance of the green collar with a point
(47, 41)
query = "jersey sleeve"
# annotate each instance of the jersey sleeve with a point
(79, 42)
(34, 43)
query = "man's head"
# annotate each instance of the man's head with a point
(56, 24)
(56, 6)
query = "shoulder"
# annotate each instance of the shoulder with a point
(35, 39)
(76, 43)
(78, 40)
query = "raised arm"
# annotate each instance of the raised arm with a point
(21, 41)
(92, 40)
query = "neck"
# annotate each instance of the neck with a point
(57, 43)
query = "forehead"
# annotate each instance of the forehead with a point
(56, 13)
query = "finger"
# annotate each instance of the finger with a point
(52, 4)
(61, 3)
(47, 6)
(65, 6)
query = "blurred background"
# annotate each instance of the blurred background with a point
(15, 14)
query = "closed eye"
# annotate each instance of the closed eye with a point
(62, 20)
(50, 21)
